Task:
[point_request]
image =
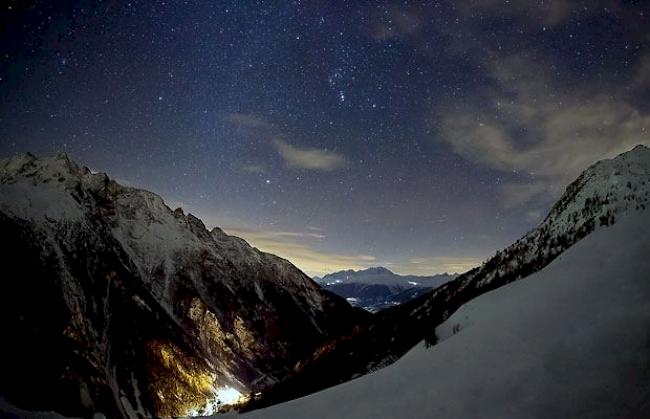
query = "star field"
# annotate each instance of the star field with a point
(422, 136)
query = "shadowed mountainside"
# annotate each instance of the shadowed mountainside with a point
(114, 303)
(594, 200)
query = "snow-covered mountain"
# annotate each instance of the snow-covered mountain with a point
(601, 195)
(570, 341)
(377, 288)
(111, 302)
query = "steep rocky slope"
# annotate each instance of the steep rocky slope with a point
(603, 192)
(111, 302)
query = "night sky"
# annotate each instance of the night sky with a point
(421, 136)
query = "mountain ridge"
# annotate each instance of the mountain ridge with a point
(568, 341)
(374, 271)
(378, 288)
(143, 302)
(605, 190)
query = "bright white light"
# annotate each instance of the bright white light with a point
(221, 397)
(227, 395)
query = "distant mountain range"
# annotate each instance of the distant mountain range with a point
(377, 288)
(570, 341)
(605, 192)
(113, 303)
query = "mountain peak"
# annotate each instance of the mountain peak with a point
(63, 156)
(57, 165)
(377, 270)
(641, 147)
(634, 160)
(351, 274)
(126, 281)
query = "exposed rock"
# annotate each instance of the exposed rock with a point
(114, 303)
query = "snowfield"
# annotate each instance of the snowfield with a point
(570, 341)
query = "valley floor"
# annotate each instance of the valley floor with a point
(572, 340)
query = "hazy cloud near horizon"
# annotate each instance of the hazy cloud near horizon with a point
(424, 135)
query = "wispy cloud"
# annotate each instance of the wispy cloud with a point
(309, 158)
(253, 168)
(275, 234)
(548, 13)
(249, 121)
(642, 79)
(517, 194)
(525, 120)
(296, 247)
(429, 265)
(534, 126)
(294, 156)
(401, 23)
(303, 248)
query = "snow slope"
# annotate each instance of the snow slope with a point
(605, 192)
(571, 340)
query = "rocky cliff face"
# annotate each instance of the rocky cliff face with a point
(114, 303)
(604, 192)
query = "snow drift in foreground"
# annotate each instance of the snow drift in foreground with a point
(569, 341)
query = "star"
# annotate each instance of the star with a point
(420, 109)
